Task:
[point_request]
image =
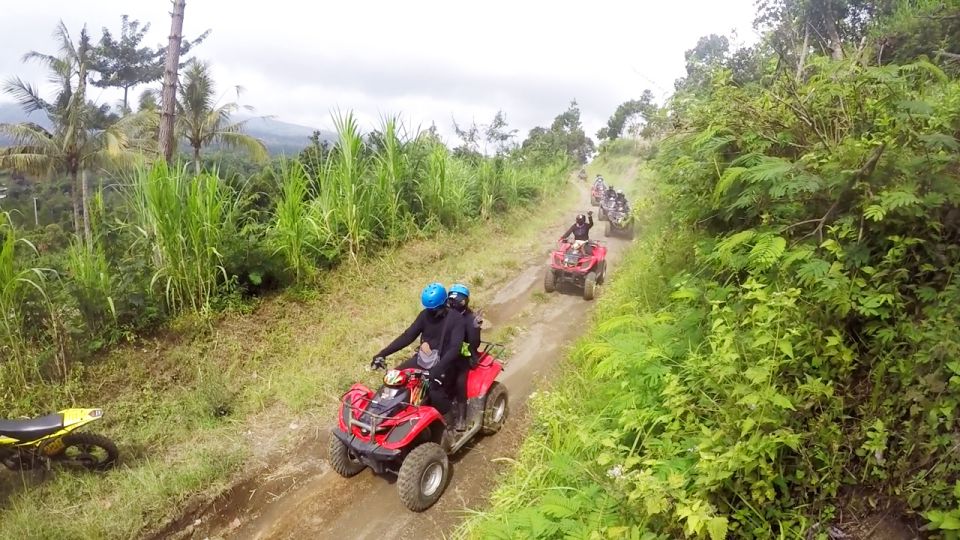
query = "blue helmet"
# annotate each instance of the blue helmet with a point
(460, 289)
(433, 296)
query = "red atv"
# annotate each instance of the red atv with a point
(394, 430)
(583, 266)
(596, 194)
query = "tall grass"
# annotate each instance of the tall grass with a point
(184, 222)
(91, 282)
(380, 190)
(299, 229)
(393, 169)
(16, 285)
(443, 189)
(349, 200)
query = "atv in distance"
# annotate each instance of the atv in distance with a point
(619, 222)
(581, 264)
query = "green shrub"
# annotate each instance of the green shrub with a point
(185, 222)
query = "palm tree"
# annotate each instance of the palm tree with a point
(168, 113)
(74, 144)
(201, 122)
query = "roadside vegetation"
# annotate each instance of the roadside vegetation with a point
(778, 355)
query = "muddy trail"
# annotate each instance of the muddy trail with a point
(299, 496)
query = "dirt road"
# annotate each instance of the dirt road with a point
(302, 498)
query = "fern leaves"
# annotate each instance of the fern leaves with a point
(777, 177)
(769, 170)
(767, 251)
(756, 252)
(727, 179)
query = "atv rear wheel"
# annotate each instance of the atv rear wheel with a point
(594, 201)
(88, 450)
(602, 275)
(495, 408)
(423, 476)
(590, 286)
(550, 281)
(602, 215)
(341, 460)
(608, 230)
(630, 232)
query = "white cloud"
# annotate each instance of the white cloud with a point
(430, 60)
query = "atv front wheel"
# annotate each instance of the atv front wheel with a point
(423, 476)
(495, 409)
(550, 281)
(589, 286)
(88, 450)
(341, 460)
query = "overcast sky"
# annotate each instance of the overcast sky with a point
(430, 61)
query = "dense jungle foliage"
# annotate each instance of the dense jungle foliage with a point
(782, 357)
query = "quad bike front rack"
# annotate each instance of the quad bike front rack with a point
(358, 410)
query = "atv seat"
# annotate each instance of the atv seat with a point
(31, 429)
(585, 250)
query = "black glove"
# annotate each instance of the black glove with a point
(589, 212)
(378, 362)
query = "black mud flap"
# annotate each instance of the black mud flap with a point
(372, 455)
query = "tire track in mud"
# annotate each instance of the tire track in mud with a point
(304, 498)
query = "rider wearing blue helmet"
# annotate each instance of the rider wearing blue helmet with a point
(459, 300)
(441, 331)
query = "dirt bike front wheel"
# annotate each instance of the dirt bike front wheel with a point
(89, 451)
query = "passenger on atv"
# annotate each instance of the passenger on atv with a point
(459, 300)
(621, 197)
(581, 231)
(441, 333)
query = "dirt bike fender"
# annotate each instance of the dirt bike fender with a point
(74, 418)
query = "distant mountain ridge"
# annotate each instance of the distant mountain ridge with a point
(279, 137)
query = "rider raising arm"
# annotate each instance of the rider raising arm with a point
(580, 228)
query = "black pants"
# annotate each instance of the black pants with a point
(461, 384)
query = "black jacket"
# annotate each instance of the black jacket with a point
(444, 334)
(580, 232)
(471, 331)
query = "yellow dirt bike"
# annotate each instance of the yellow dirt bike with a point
(36, 442)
